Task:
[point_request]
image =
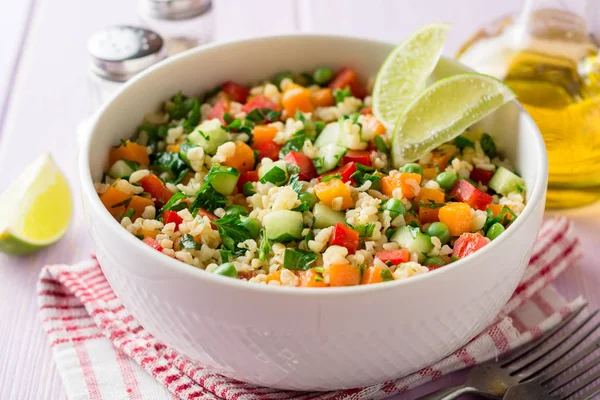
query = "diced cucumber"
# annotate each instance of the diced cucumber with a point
(328, 135)
(184, 148)
(348, 138)
(283, 225)
(120, 169)
(412, 239)
(276, 173)
(329, 157)
(210, 135)
(223, 179)
(326, 216)
(504, 182)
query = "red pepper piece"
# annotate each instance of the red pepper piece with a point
(395, 257)
(304, 162)
(465, 192)
(468, 243)
(344, 236)
(150, 241)
(357, 156)
(236, 92)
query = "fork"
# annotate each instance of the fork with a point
(492, 379)
(542, 386)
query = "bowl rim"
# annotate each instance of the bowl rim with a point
(88, 190)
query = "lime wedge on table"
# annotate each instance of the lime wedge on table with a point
(405, 71)
(443, 111)
(35, 209)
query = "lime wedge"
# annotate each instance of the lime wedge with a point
(405, 71)
(35, 209)
(443, 111)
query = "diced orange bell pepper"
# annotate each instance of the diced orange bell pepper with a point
(374, 124)
(115, 201)
(173, 148)
(344, 275)
(404, 181)
(296, 97)
(372, 275)
(156, 187)
(429, 173)
(263, 134)
(274, 276)
(309, 279)
(139, 204)
(427, 201)
(151, 234)
(322, 98)
(441, 156)
(332, 189)
(457, 217)
(242, 159)
(129, 151)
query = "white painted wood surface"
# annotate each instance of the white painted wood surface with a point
(43, 81)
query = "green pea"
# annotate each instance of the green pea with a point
(494, 231)
(308, 198)
(440, 231)
(413, 168)
(434, 261)
(236, 210)
(395, 207)
(227, 269)
(303, 79)
(281, 76)
(446, 180)
(252, 225)
(323, 75)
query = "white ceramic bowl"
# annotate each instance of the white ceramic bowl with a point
(304, 339)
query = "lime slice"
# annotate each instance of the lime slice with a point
(35, 209)
(443, 111)
(405, 71)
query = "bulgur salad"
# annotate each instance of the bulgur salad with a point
(290, 183)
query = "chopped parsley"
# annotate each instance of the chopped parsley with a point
(461, 142)
(340, 94)
(264, 247)
(329, 177)
(208, 199)
(260, 115)
(502, 218)
(298, 260)
(488, 146)
(129, 213)
(122, 203)
(380, 144)
(169, 162)
(386, 275)
(365, 230)
(294, 144)
(194, 117)
(432, 204)
(174, 203)
(275, 175)
(232, 231)
(189, 243)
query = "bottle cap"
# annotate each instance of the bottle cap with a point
(119, 52)
(173, 9)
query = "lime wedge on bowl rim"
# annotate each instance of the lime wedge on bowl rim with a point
(406, 70)
(35, 209)
(443, 111)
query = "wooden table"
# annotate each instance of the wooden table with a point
(44, 95)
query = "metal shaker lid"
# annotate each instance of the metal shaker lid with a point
(119, 52)
(173, 9)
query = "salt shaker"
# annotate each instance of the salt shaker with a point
(182, 23)
(118, 53)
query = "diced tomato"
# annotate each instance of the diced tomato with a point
(465, 192)
(259, 102)
(248, 176)
(468, 243)
(204, 213)
(152, 243)
(304, 162)
(357, 156)
(345, 172)
(481, 175)
(366, 110)
(157, 189)
(218, 110)
(171, 216)
(344, 236)
(348, 77)
(395, 257)
(236, 92)
(269, 150)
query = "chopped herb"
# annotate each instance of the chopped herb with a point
(260, 115)
(319, 278)
(169, 162)
(162, 132)
(298, 260)
(189, 243)
(365, 230)
(353, 117)
(132, 164)
(174, 204)
(363, 174)
(240, 126)
(184, 148)
(461, 142)
(275, 176)
(310, 236)
(212, 93)
(225, 255)
(319, 126)
(389, 233)
(249, 189)
(295, 183)
(129, 213)
(122, 203)
(302, 207)
(228, 118)
(386, 275)
(294, 144)
(232, 231)
(140, 236)
(340, 94)
(380, 144)
(520, 188)
(501, 218)
(488, 146)
(431, 204)
(327, 178)
(194, 117)
(179, 106)
(414, 224)
(209, 199)
(264, 247)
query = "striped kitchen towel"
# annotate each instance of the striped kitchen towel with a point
(82, 317)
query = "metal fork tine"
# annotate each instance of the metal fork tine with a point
(523, 350)
(580, 385)
(568, 363)
(589, 395)
(560, 340)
